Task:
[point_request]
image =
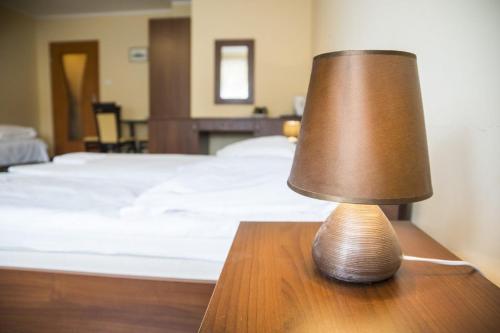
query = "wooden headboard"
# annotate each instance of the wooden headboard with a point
(397, 212)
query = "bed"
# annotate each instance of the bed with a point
(19, 145)
(169, 217)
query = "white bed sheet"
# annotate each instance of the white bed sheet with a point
(51, 218)
(20, 195)
(136, 266)
(144, 170)
(20, 151)
(180, 238)
(244, 187)
(92, 215)
(81, 158)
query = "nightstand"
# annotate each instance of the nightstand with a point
(270, 284)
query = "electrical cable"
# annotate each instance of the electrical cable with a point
(442, 262)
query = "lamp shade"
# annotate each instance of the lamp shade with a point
(362, 136)
(291, 128)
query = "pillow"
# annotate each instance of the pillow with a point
(13, 132)
(78, 158)
(277, 145)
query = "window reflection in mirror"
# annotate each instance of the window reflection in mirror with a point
(234, 71)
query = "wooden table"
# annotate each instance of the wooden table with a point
(131, 123)
(269, 284)
(140, 145)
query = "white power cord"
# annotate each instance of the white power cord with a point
(442, 262)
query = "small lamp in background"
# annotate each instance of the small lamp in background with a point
(363, 144)
(291, 129)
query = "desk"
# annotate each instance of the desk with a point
(140, 145)
(270, 284)
(131, 123)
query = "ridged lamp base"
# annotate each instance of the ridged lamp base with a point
(357, 244)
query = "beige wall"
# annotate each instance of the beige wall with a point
(282, 33)
(458, 48)
(121, 81)
(18, 102)
(281, 29)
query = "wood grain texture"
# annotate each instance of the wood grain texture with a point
(55, 302)
(185, 136)
(270, 284)
(357, 244)
(169, 68)
(173, 136)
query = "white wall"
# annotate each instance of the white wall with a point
(457, 43)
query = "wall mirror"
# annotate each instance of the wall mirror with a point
(234, 71)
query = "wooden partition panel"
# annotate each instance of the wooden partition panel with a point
(169, 68)
(169, 86)
(173, 136)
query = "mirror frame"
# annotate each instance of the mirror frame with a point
(218, 57)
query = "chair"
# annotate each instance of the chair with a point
(140, 141)
(92, 142)
(108, 120)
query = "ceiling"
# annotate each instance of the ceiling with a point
(40, 8)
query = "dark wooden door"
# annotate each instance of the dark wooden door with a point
(169, 83)
(75, 85)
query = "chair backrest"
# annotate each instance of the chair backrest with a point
(108, 122)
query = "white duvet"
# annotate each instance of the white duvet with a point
(21, 194)
(141, 170)
(175, 207)
(52, 214)
(192, 215)
(181, 235)
(247, 188)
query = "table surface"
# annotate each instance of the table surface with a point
(270, 284)
(134, 121)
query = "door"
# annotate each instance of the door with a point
(75, 85)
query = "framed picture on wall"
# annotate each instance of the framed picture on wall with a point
(138, 54)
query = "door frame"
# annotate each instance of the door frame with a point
(59, 97)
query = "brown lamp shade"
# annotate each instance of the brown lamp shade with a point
(362, 136)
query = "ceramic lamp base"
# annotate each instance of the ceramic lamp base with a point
(357, 244)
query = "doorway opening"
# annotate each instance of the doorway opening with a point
(75, 86)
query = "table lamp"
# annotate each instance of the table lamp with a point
(291, 129)
(362, 143)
